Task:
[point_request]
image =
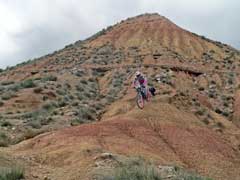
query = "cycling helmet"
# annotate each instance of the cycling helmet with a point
(138, 73)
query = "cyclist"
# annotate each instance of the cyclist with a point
(140, 81)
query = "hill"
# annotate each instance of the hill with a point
(193, 122)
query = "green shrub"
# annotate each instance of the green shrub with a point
(137, 170)
(201, 89)
(98, 106)
(86, 114)
(3, 88)
(6, 83)
(79, 88)
(75, 103)
(28, 134)
(32, 115)
(29, 83)
(77, 121)
(83, 81)
(50, 78)
(4, 140)
(62, 103)
(45, 98)
(61, 92)
(110, 98)
(14, 87)
(38, 90)
(36, 124)
(189, 176)
(15, 173)
(200, 112)
(7, 96)
(92, 79)
(49, 106)
(46, 121)
(6, 124)
(220, 125)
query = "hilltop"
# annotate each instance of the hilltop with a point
(193, 122)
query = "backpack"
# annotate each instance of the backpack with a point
(152, 90)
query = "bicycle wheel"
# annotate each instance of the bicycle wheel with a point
(148, 96)
(140, 101)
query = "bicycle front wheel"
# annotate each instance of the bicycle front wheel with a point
(140, 101)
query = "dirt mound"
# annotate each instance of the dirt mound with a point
(152, 33)
(169, 141)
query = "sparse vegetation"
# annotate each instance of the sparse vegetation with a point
(137, 170)
(29, 83)
(6, 83)
(49, 78)
(38, 90)
(8, 95)
(1, 103)
(13, 173)
(4, 140)
(6, 124)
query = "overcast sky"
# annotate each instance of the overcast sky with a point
(32, 28)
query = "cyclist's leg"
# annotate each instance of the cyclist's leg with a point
(144, 91)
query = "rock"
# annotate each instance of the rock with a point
(167, 171)
(35, 176)
(46, 178)
(71, 113)
(104, 156)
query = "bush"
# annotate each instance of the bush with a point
(14, 87)
(15, 173)
(35, 124)
(4, 140)
(77, 121)
(2, 88)
(6, 124)
(49, 106)
(79, 88)
(85, 114)
(6, 83)
(137, 170)
(75, 103)
(28, 84)
(61, 92)
(7, 96)
(220, 125)
(38, 90)
(32, 115)
(28, 134)
(83, 81)
(1, 103)
(46, 121)
(62, 103)
(50, 78)
(201, 89)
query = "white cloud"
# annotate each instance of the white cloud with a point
(32, 28)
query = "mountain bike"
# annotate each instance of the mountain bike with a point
(142, 96)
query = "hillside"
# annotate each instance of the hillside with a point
(193, 122)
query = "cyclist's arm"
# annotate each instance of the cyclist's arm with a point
(134, 83)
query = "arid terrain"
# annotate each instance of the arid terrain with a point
(72, 114)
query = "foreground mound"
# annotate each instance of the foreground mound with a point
(167, 137)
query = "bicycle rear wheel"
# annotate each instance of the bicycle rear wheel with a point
(148, 97)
